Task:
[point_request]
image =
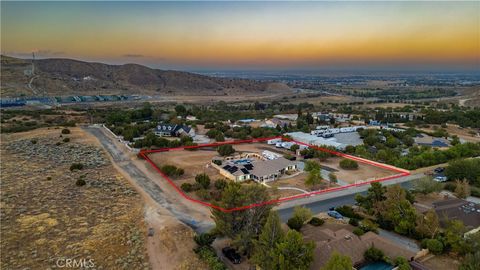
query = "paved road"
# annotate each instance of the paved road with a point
(322, 203)
(400, 240)
(150, 187)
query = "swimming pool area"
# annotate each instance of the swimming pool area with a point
(242, 161)
(377, 266)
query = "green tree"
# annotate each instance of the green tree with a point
(435, 246)
(311, 165)
(314, 178)
(332, 177)
(219, 137)
(427, 185)
(181, 110)
(454, 236)
(303, 213)
(264, 247)
(428, 224)
(245, 225)
(402, 263)
(225, 150)
(293, 253)
(338, 261)
(398, 210)
(471, 261)
(373, 254)
(348, 164)
(203, 179)
(294, 147)
(375, 194)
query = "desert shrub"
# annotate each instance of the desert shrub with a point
(348, 164)
(204, 239)
(65, 131)
(66, 140)
(187, 187)
(203, 180)
(58, 143)
(347, 211)
(369, 226)
(76, 166)
(49, 178)
(33, 141)
(80, 182)
(358, 231)
(373, 254)
(435, 246)
(225, 150)
(217, 161)
(315, 221)
(208, 255)
(475, 191)
(402, 263)
(295, 223)
(450, 186)
(353, 222)
(203, 194)
(220, 184)
(171, 170)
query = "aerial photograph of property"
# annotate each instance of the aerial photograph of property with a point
(215, 135)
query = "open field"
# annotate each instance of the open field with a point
(47, 216)
(363, 173)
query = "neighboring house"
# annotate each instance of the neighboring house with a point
(274, 122)
(458, 209)
(426, 140)
(174, 130)
(346, 243)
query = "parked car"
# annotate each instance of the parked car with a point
(439, 170)
(335, 214)
(232, 255)
(440, 178)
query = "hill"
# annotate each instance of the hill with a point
(72, 77)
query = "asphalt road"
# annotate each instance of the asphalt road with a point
(324, 205)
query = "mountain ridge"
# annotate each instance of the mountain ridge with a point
(63, 76)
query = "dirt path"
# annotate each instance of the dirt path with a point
(167, 215)
(151, 184)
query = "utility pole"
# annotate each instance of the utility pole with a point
(33, 66)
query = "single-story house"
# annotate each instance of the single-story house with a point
(346, 243)
(260, 170)
(426, 140)
(458, 209)
(174, 130)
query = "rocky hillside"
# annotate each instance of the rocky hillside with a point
(72, 77)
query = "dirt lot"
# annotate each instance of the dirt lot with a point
(442, 262)
(364, 171)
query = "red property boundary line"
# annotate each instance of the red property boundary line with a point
(400, 172)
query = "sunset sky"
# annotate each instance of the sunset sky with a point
(249, 35)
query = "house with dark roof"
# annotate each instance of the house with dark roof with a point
(259, 169)
(458, 209)
(174, 130)
(426, 140)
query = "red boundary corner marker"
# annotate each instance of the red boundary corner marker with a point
(400, 172)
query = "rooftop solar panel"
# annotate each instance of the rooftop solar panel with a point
(245, 171)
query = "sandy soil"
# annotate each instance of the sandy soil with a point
(171, 245)
(364, 171)
(442, 262)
